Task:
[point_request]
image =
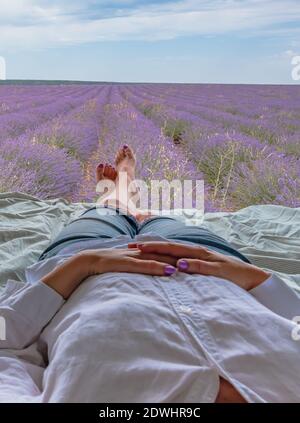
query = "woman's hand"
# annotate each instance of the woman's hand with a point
(65, 278)
(194, 259)
(128, 260)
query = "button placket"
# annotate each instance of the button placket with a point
(192, 321)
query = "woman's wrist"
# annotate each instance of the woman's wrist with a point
(257, 276)
(92, 263)
(65, 278)
(247, 276)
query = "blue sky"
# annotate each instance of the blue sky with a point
(221, 41)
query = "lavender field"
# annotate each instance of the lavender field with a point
(244, 141)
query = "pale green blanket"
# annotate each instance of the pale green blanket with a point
(268, 235)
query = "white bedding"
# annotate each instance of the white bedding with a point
(268, 235)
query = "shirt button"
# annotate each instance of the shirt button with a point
(186, 310)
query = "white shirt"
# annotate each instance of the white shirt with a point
(124, 337)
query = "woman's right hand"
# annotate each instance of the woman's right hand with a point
(128, 260)
(65, 278)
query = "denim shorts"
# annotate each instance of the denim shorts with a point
(107, 223)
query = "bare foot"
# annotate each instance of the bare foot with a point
(125, 161)
(106, 171)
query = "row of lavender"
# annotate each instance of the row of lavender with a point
(52, 139)
(46, 136)
(243, 141)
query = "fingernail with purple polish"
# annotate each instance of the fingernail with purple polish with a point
(125, 146)
(183, 265)
(169, 270)
(100, 165)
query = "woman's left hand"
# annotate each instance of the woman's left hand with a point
(197, 259)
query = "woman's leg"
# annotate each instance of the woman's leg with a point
(175, 230)
(120, 193)
(111, 217)
(92, 225)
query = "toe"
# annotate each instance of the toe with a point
(99, 171)
(114, 173)
(120, 155)
(106, 170)
(129, 153)
(110, 172)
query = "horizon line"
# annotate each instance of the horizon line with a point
(75, 81)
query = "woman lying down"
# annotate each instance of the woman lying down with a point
(124, 308)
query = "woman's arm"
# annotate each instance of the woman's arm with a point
(195, 259)
(26, 309)
(66, 278)
(268, 289)
(277, 296)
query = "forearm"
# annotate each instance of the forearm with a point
(250, 276)
(27, 309)
(65, 278)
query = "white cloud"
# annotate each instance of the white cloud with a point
(290, 53)
(13, 12)
(284, 56)
(33, 23)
